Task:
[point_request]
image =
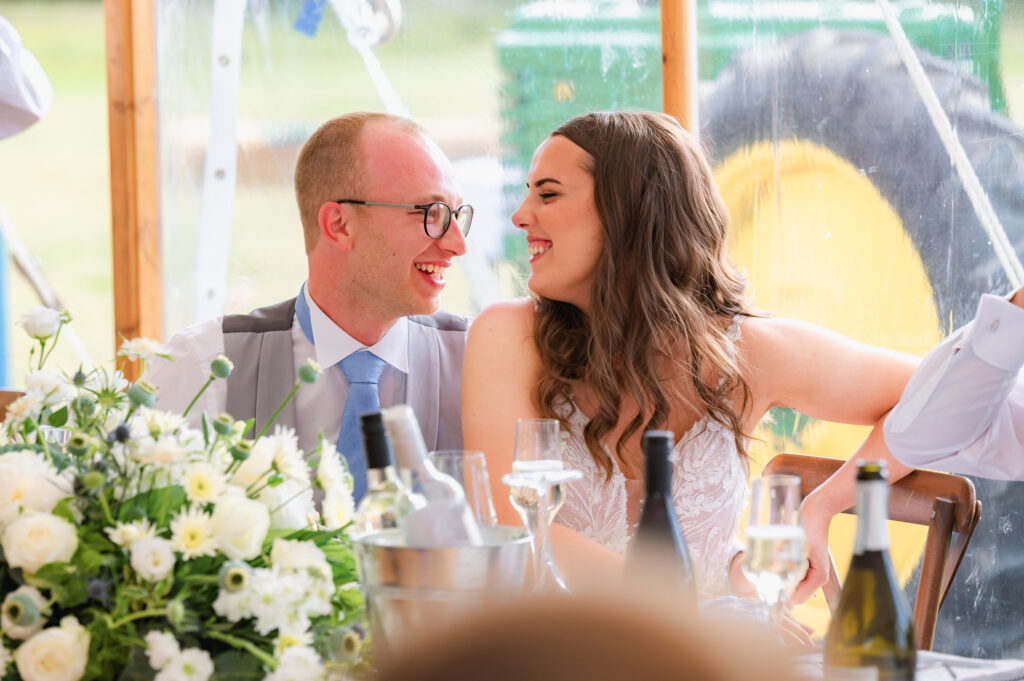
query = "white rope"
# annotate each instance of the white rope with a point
(972, 185)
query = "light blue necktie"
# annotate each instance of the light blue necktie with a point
(362, 370)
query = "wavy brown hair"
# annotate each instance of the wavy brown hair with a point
(663, 292)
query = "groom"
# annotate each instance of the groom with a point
(383, 220)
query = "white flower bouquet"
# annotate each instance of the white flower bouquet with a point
(143, 548)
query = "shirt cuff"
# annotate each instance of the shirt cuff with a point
(997, 337)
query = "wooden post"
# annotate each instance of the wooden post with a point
(134, 189)
(678, 64)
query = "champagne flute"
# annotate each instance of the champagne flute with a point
(775, 560)
(538, 481)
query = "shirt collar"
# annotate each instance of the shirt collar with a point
(333, 344)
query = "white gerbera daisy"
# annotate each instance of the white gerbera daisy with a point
(126, 534)
(288, 637)
(203, 482)
(192, 534)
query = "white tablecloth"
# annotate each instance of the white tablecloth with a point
(933, 666)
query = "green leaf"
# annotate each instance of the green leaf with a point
(63, 510)
(235, 665)
(59, 417)
(138, 668)
(152, 503)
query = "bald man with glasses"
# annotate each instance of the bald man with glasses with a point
(369, 311)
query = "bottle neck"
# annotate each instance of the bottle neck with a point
(376, 478)
(872, 512)
(657, 475)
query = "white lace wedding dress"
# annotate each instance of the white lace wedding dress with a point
(709, 491)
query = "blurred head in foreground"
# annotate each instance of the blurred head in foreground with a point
(562, 639)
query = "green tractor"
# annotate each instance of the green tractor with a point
(845, 209)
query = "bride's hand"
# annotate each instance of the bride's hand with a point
(816, 521)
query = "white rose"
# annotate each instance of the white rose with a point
(28, 482)
(54, 654)
(240, 525)
(152, 558)
(37, 539)
(292, 503)
(24, 630)
(40, 322)
(161, 649)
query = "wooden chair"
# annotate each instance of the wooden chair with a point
(944, 502)
(6, 397)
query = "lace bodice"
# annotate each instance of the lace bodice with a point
(709, 491)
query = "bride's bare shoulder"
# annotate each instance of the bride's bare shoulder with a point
(511, 320)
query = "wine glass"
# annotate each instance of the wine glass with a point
(775, 560)
(469, 469)
(538, 481)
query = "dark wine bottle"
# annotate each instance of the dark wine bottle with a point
(872, 630)
(657, 554)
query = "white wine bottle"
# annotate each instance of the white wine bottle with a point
(380, 508)
(445, 519)
(657, 555)
(872, 630)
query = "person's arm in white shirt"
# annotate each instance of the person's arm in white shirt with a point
(25, 91)
(178, 381)
(963, 409)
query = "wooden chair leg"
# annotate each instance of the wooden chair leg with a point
(936, 549)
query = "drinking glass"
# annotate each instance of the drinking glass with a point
(775, 560)
(538, 481)
(469, 469)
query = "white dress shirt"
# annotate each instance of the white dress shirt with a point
(317, 407)
(963, 409)
(25, 91)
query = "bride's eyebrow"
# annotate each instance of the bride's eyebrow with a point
(546, 180)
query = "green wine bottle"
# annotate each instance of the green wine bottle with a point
(872, 630)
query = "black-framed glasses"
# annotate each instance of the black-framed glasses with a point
(437, 216)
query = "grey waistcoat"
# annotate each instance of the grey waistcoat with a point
(260, 346)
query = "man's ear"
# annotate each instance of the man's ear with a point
(337, 225)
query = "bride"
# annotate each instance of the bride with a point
(638, 320)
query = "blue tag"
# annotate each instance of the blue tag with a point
(309, 17)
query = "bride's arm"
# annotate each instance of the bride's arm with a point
(498, 378)
(834, 378)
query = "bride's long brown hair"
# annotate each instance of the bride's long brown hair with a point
(663, 292)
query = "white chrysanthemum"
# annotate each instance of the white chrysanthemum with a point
(50, 387)
(330, 472)
(192, 664)
(28, 482)
(203, 482)
(271, 601)
(290, 504)
(258, 467)
(126, 534)
(29, 406)
(166, 449)
(142, 348)
(192, 534)
(153, 558)
(288, 638)
(298, 663)
(289, 554)
(288, 458)
(100, 381)
(155, 422)
(232, 606)
(337, 507)
(161, 649)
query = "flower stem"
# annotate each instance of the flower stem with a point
(102, 496)
(277, 412)
(198, 394)
(252, 649)
(117, 624)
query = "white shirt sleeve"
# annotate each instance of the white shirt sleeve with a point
(25, 91)
(963, 409)
(178, 381)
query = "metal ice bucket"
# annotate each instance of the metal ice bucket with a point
(412, 590)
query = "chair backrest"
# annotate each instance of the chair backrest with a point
(944, 503)
(6, 397)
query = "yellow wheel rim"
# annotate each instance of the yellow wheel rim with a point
(819, 243)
